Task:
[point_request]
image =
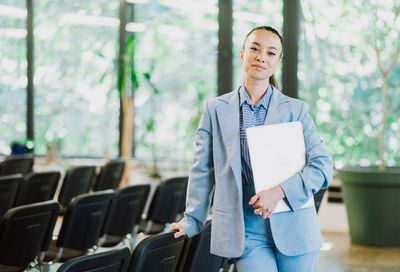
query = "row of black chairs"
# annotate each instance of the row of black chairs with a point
(160, 212)
(160, 252)
(80, 180)
(109, 214)
(24, 188)
(108, 178)
(77, 181)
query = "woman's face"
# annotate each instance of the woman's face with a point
(261, 54)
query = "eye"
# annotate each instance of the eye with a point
(271, 54)
(253, 48)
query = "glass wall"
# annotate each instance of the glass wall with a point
(76, 100)
(175, 59)
(340, 79)
(13, 69)
(248, 14)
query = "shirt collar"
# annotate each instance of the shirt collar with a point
(244, 97)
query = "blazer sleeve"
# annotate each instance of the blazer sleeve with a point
(201, 178)
(318, 172)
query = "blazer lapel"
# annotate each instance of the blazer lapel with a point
(275, 112)
(228, 118)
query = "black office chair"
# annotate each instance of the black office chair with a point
(198, 256)
(8, 191)
(17, 164)
(318, 198)
(157, 253)
(182, 207)
(166, 204)
(25, 232)
(110, 175)
(77, 181)
(125, 217)
(83, 224)
(37, 187)
(116, 260)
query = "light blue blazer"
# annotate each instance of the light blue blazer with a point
(217, 169)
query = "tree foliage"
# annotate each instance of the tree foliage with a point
(340, 79)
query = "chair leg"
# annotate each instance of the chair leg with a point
(59, 255)
(129, 241)
(44, 267)
(39, 264)
(135, 229)
(148, 226)
(102, 240)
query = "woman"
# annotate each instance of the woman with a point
(243, 225)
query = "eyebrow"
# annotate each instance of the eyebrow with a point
(270, 47)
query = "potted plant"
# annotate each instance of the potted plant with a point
(372, 194)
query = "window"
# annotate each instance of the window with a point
(13, 71)
(178, 52)
(340, 80)
(76, 100)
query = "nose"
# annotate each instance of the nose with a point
(260, 57)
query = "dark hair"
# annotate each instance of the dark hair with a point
(272, 79)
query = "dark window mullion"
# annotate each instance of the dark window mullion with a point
(30, 87)
(225, 33)
(291, 11)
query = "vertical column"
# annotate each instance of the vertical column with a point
(291, 18)
(225, 66)
(130, 18)
(122, 34)
(30, 86)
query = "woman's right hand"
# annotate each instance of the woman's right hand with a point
(179, 230)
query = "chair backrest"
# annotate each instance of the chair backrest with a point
(157, 253)
(77, 181)
(26, 231)
(167, 200)
(110, 175)
(17, 164)
(183, 202)
(116, 260)
(8, 191)
(198, 257)
(127, 209)
(84, 221)
(318, 198)
(37, 187)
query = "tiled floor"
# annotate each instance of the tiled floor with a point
(339, 255)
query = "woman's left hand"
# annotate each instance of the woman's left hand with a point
(264, 202)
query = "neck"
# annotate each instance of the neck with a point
(256, 89)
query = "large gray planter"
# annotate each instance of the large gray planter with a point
(372, 200)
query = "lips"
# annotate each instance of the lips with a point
(258, 66)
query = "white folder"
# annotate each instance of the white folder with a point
(277, 152)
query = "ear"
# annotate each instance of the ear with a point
(241, 55)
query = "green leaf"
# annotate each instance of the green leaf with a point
(150, 125)
(146, 76)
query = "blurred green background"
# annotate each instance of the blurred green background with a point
(75, 73)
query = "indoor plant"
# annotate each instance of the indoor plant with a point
(371, 194)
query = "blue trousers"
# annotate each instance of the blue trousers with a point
(260, 253)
